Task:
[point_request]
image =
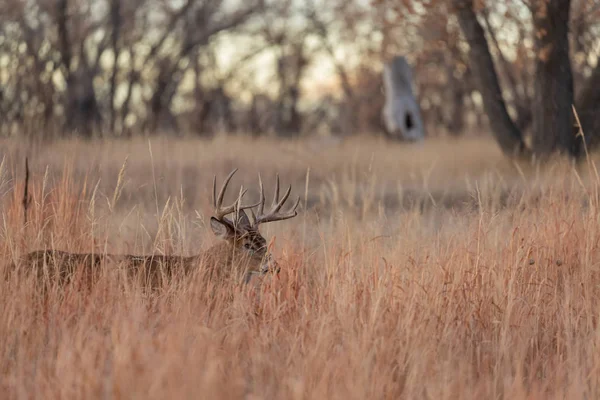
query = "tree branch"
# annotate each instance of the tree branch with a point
(588, 107)
(523, 111)
(504, 129)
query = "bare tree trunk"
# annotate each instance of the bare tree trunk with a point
(62, 18)
(290, 67)
(201, 106)
(280, 123)
(588, 107)
(504, 129)
(83, 113)
(162, 98)
(81, 106)
(523, 108)
(115, 12)
(455, 122)
(552, 112)
(157, 105)
(132, 80)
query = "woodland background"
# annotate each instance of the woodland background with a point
(288, 68)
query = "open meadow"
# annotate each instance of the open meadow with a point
(438, 270)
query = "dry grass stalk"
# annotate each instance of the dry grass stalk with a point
(491, 293)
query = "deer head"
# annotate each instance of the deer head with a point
(245, 243)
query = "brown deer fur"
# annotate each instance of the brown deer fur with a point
(241, 254)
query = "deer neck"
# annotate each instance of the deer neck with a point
(222, 259)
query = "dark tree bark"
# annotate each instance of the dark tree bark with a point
(290, 70)
(521, 103)
(588, 107)
(132, 79)
(82, 112)
(62, 17)
(551, 109)
(159, 104)
(115, 16)
(455, 119)
(503, 128)
(552, 106)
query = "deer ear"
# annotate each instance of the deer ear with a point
(221, 229)
(243, 221)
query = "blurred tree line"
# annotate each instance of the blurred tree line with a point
(290, 67)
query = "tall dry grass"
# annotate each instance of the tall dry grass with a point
(437, 271)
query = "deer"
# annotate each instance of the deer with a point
(241, 254)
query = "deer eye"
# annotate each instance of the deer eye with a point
(248, 246)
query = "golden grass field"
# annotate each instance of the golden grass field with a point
(432, 271)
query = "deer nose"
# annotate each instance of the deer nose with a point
(270, 265)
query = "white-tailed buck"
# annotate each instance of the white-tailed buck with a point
(401, 114)
(242, 253)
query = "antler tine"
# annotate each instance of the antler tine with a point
(261, 201)
(219, 200)
(276, 196)
(278, 216)
(214, 192)
(274, 213)
(261, 207)
(296, 204)
(236, 207)
(277, 206)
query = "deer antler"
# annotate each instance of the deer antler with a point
(220, 211)
(274, 214)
